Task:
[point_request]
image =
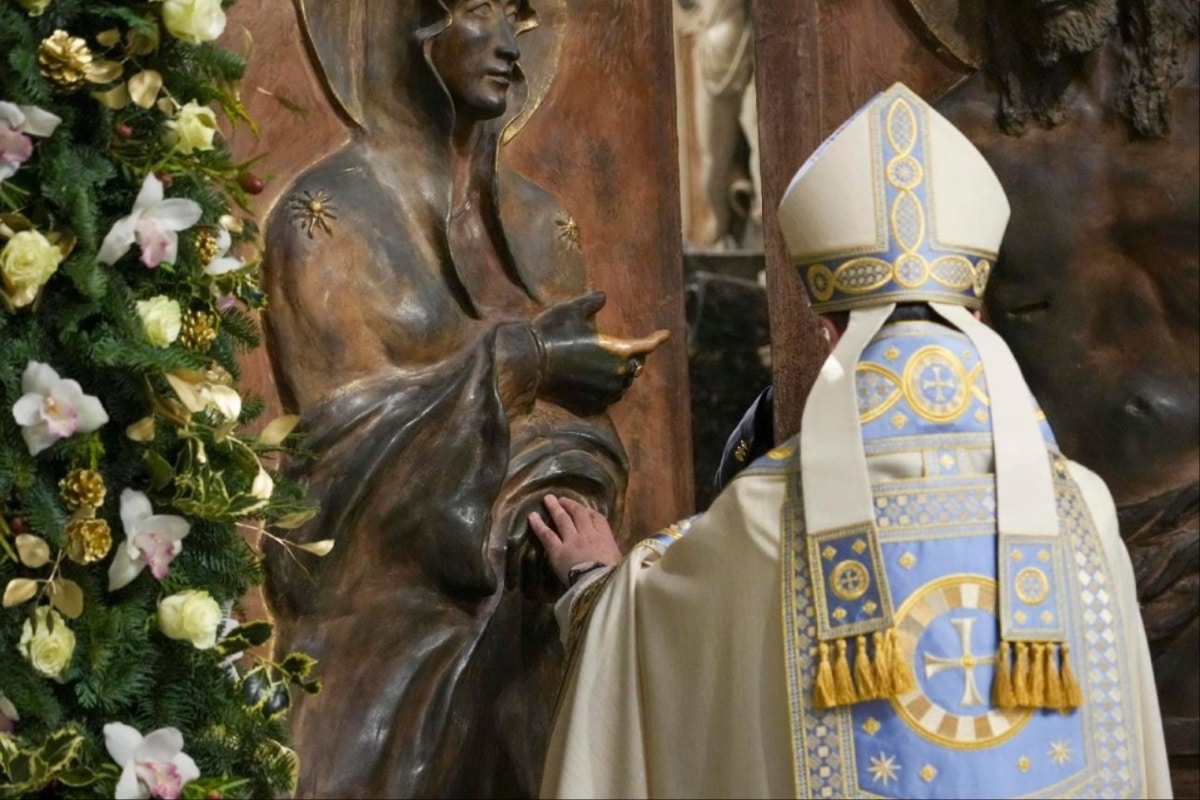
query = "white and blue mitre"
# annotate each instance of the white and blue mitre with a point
(948, 629)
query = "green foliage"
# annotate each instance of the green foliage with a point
(172, 434)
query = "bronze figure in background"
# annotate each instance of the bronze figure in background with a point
(1098, 287)
(438, 339)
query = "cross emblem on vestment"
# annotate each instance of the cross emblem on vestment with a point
(937, 383)
(966, 662)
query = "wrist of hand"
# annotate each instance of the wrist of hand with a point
(576, 572)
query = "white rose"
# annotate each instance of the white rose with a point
(26, 263)
(47, 643)
(193, 128)
(161, 319)
(194, 21)
(34, 7)
(191, 615)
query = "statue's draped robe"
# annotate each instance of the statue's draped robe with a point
(416, 380)
(692, 663)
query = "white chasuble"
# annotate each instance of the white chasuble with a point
(693, 664)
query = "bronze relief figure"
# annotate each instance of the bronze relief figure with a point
(431, 322)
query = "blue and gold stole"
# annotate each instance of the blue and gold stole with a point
(935, 704)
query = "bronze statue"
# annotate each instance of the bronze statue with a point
(430, 320)
(1098, 286)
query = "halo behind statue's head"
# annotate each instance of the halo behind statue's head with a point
(896, 206)
(336, 31)
(333, 31)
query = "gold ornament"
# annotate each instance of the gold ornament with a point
(198, 331)
(65, 59)
(312, 210)
(82, 488)
(207, 246)
(88, 540)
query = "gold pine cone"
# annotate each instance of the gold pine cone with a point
(64, 59)
(207, 246)
(88, 540)
(82, 488)
(198, 331)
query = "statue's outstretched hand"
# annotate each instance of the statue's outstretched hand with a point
(580, 537)
(582, 370)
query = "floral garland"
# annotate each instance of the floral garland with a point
(128, 266)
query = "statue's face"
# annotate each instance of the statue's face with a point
(477, 54)
(1055, 28)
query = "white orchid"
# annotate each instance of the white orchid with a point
(154, 224)
(52, 408)
(17, 124)
(151, 766)
(151, 539)
(222, 262)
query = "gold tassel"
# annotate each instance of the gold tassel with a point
(1054, 688)
(823, 695)
(864, 674)
(1072, 695)
(1002, 690)
(902, 676)
(843, 686)
(1021, 675)
(883, 666)
(1037, 676)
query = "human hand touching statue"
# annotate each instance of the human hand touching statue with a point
(582, 370)
(581, 538)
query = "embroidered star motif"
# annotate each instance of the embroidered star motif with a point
(1023, 763)
(870, 606)
(898, 420)
(883, 768)
(907, 560)
(1060, 752)
(871, 726)
(829, 552)
(1017, 555)
(892, 354)
(928, 773)
(981, 416)
(839, 614)
(1047, 617)
(1043, 556)
(1020, 617)
(859, 546)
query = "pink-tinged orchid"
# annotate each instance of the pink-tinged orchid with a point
(154, 224)
(151, 766)
(51, 408)
(152, 540)
(17, 124)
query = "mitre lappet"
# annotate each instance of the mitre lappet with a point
(897, 206)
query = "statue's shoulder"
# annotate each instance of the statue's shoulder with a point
(318, 198)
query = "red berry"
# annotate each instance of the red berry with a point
(124, 131)
(166, 179)
(18, 525)
(251, 183)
